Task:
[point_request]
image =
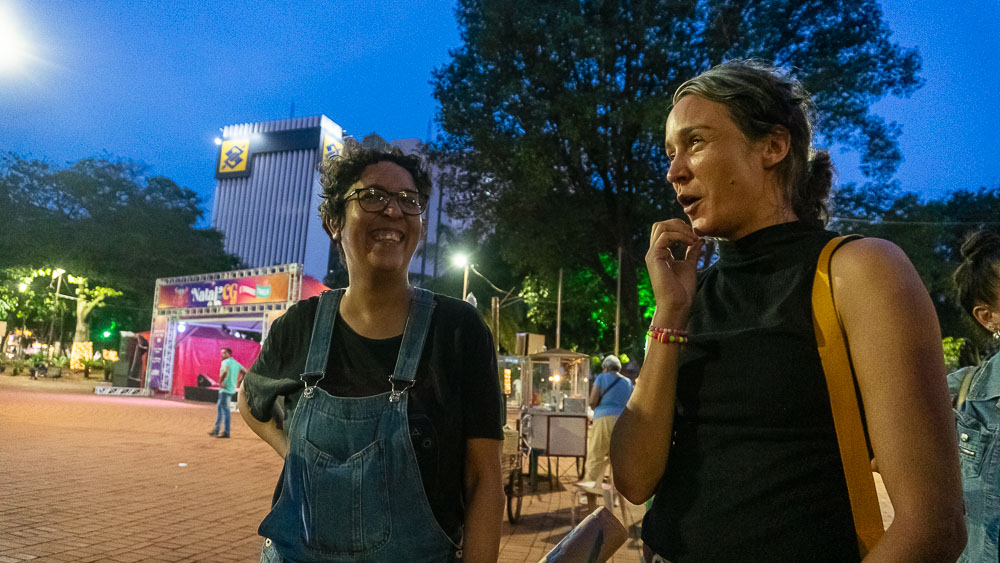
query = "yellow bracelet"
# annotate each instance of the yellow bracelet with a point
(666, 338)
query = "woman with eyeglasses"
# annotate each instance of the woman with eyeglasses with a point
(392, 412)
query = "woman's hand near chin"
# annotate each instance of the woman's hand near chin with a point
(640, 442)
(673, 281)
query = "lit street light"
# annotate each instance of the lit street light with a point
(460, 260)
(13, 47)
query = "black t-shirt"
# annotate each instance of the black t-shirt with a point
(456, 395)
(754, 472)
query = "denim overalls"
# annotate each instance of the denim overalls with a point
(352, 489)
(978, 424)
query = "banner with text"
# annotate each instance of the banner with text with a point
(269, 288)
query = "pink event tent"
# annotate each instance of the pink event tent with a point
(198, 350)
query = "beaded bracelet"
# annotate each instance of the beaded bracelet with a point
(666, 338)
(674, 331)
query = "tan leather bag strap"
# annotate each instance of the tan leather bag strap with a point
(840, 381)
(963, 391)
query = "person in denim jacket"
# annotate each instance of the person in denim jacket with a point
(975, 391)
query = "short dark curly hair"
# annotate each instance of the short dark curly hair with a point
(338, 174)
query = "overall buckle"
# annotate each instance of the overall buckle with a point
(396, 394)
(309, 390)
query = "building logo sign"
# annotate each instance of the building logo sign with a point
(332, 146)
(234, 155)
(269, 288)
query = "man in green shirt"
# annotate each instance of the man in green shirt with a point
(229, 373)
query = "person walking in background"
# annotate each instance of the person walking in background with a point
(608, 397)
(229, 374)
(975, 392)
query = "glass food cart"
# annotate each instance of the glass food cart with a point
(547, 392)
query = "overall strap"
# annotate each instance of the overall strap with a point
(834, 352)
(414, 335)
(319, 344)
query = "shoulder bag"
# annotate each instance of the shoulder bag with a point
(841, 383)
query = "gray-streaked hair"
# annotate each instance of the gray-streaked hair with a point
(760, 98)
(611, 361)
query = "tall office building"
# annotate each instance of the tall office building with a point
(267, 196)
(430, 261)
(267, 191)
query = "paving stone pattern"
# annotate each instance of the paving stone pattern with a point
(88, 478)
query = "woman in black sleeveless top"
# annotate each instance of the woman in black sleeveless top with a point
(732, 431)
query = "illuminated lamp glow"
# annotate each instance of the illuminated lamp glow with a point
(181, 327)
(460, 260)
(13, 49)
(218, 141)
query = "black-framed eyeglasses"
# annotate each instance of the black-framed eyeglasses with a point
(375, 200)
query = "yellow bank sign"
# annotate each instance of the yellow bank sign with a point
(234, 157)
(332, 146)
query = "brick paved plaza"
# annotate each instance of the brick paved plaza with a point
(90, 478)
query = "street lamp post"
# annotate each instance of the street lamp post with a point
(57, 273)
(496, 303)
(465, 282)
(618, 300)
(462, 261)
(21, 287)
(559, 310)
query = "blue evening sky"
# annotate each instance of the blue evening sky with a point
(155, 80)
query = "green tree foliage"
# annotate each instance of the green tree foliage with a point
(588, 309)
(24, 301)
(553, 113)
(87, 299)
(106, 221)
(952, 351)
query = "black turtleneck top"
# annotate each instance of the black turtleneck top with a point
(754, 473)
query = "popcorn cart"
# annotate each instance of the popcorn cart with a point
(553, 419)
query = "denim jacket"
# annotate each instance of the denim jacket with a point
(978, 425)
